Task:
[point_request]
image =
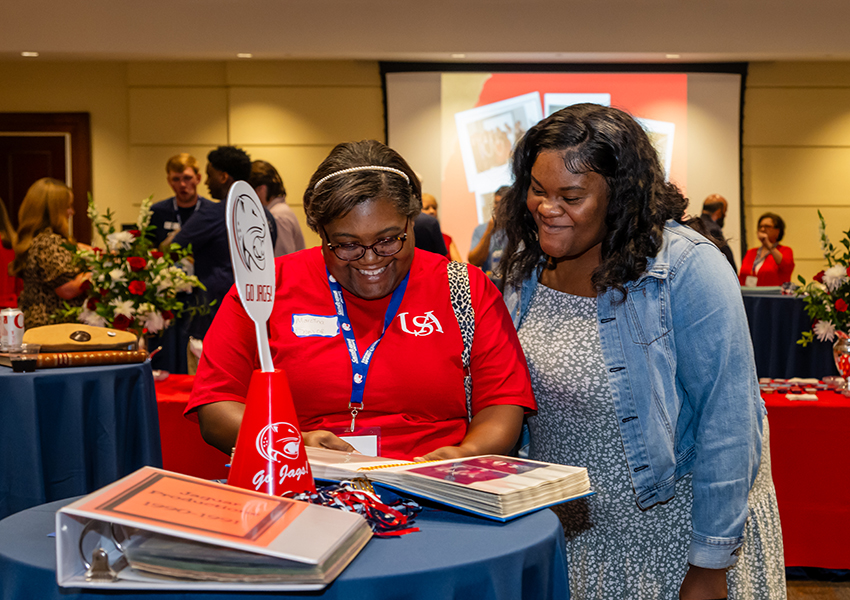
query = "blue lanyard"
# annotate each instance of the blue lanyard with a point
(360, 364)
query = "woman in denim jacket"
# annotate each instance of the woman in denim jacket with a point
(637, 342)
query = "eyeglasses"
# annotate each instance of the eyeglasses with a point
(766, 227)
(385, 247)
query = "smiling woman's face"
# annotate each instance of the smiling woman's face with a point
(568, 208)
(371, 276)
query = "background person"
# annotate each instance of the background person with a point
(393, 294)
(714, 209)
(631, 323)
(771, 263)
(41, 259)
(429, 207)
(269, 187)
(488, 241)
(168, 216)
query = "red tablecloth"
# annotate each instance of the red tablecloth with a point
(810, 457)
(183, 448)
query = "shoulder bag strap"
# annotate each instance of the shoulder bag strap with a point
(461, 297)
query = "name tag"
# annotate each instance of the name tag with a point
(171, 226)
(751, 281)
(315, 326)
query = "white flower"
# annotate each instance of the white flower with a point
(825, 331)
(123, 307)
(90, 317)
(120, 240)
(153, 321)
(118, 275)
(145, 307)
(834, 276)
(144, 214)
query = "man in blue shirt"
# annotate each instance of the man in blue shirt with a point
(169, 215)
(488, 242)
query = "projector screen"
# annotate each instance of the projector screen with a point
(457, 130)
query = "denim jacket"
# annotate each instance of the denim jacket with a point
(680, 367)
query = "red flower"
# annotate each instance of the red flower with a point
(156, 254)
(91, 303)
(848, 271)
(97, 250)
(85, 286)
(137, 287)
(167, 315)
(137, 263)
(840, 305)
(103, 292)
(121, 322)
(818, 277)
(135, 232)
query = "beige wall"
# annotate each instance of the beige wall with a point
(797, 153)
(288, 113)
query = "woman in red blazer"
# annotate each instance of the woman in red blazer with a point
(770, 263)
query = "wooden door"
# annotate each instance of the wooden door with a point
(25, 159)
(36, 145)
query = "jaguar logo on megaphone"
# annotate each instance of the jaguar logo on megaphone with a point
(279, 441)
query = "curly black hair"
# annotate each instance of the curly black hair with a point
(231, 160)
(607, 141)
(336, 196)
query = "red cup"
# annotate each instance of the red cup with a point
(270, 455)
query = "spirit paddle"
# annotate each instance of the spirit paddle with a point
(269, 455)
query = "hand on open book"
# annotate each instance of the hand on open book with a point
(445, 453)
(325, 439)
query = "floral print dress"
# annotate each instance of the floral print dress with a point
(615, 550)
(48, 265)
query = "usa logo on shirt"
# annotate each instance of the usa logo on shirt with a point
(423, 324)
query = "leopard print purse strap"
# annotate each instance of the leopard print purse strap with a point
(461, 297)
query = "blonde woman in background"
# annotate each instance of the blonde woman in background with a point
(41, 260)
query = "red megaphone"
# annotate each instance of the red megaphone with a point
(270, 455)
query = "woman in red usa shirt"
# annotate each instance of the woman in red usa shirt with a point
(365, 330)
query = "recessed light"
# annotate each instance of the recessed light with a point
(673, 56)
(29, 54)
(244, 55)
(458, 55)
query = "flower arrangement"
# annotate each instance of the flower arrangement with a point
(133, 285)
(827, 296)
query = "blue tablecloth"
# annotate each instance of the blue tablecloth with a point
(67, 432)
(776, 323)
(453, 556)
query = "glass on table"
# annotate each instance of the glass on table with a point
(24, 358)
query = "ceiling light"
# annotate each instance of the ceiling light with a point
(29, 54)
(244, 55)
(458, 55)
(673, 56)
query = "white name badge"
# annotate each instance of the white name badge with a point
(315, 326)
(751, 281)
(364, 444)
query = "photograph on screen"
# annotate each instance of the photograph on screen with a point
(552, 103)
(487, 135)
(661, 135)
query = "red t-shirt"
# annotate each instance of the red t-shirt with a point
(414, 389)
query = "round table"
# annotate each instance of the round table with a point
(776, 323)
(452, 556)
(69, 431)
